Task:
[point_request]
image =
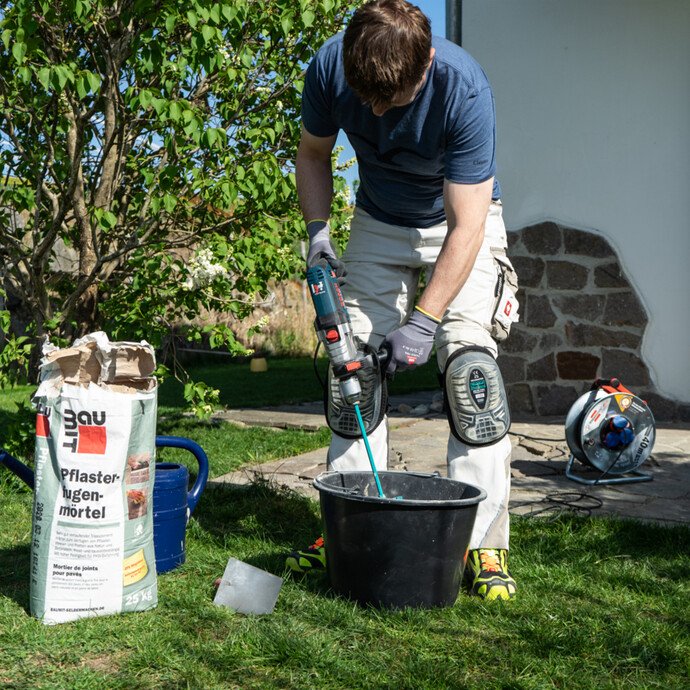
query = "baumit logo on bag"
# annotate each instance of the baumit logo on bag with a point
(85, 431)
(42, 421)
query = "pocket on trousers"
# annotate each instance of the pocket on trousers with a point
(506, 305)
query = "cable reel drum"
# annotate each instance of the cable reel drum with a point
(612, 430)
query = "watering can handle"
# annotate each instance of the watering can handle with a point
(179, 442)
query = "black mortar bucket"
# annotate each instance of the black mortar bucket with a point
(406, 549)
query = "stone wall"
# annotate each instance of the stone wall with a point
(580, 318)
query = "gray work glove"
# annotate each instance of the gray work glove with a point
(321, 247)
(410, 345)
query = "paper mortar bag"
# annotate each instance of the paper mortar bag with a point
(92, 548)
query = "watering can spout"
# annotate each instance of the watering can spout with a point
(17, 467)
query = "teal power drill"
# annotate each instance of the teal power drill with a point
(334, 331)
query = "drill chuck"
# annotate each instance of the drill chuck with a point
(350, 389)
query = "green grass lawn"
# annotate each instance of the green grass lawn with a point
(287, 381)
(603, 603)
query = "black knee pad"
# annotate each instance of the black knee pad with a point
(475, 397)
(373, 405)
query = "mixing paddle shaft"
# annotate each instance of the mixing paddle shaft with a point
(360, 421)
(334, 331)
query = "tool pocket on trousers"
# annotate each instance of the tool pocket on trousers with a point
(506, 305)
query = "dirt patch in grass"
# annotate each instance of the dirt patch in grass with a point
(40, 660)
(104, 663)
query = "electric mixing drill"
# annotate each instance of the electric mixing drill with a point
(334, 331)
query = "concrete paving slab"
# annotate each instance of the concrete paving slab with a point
(539, 486)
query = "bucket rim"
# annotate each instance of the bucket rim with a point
(319, 484)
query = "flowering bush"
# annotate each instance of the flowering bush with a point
(136, 135)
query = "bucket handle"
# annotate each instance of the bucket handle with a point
(424, 474)
(195, 449)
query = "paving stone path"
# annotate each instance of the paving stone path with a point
(418, 437)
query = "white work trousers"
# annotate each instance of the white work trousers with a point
(384, 263)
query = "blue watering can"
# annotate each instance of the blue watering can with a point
(172, 503)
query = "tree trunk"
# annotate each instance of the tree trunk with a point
(87, 302)
(86, 305)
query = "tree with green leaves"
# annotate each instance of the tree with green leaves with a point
(146, 155)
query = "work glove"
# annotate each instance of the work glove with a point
(410, 345)
(321, 247)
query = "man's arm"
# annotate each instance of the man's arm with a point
(466, 208)
(314, 175)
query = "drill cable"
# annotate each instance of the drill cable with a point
(316, 366)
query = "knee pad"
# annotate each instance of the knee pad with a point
(341, 417)
(475, 397)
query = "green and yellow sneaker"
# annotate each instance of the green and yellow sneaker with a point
(487, 574)
(312, 558)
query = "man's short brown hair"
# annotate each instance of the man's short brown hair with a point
(386, 49)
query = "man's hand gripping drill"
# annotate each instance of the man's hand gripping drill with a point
(334, 330)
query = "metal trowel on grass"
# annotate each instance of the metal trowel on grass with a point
(246, 589)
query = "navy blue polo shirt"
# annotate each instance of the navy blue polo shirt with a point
(447, 132)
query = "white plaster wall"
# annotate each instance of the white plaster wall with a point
(593, 107)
